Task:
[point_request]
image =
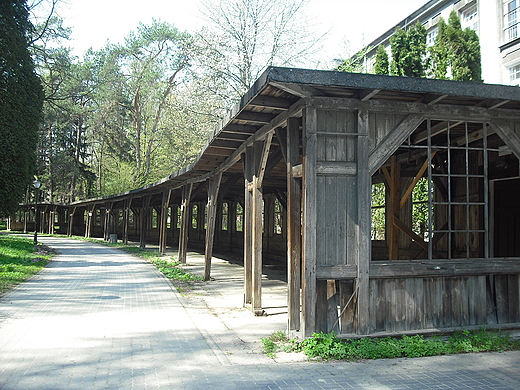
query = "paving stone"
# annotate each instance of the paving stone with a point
(98, 318)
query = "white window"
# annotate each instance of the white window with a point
(432, 35)
(514, 74)
(511, 20)
(470, 18)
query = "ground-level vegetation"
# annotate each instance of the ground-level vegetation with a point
(19, 260)
(328, 346)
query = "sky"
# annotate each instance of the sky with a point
(350, 24)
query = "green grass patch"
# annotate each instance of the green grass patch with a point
(19, 261)
(328, 346)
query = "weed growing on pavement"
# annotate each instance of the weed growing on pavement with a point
(278, 341)
(19, 260)
(329, 346)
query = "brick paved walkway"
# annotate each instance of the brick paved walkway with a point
(97, 318)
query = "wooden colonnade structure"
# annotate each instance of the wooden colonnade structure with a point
(310, 147)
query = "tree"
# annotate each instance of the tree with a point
(247, 36)
(456, 52)
(409, 51)
(155, 57)
(21, 100)
(356, 63)
(382, 61)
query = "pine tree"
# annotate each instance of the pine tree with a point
(456, 52)
(382, 61)
(21, 100)
(409, 51)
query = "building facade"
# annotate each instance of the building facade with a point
(497, 23)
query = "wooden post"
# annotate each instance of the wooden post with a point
(71, 221)
(185, 212)
(309, 223)
(88, 227)
(247, 162)
(364, 217)
(126, 219)
(144, 222)
(294, 227)
(213, 188)
(163, 226)
(395, 197)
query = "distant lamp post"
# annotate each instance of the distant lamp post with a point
(36, 185)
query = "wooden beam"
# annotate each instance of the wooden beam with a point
(294, 226)
(247, 162)
(262, 158)
(309, 254)
(213, 189)
(163, 226)
(143, 233)
(364, 194)
(395, 196)
(367, 94)
(392, 141)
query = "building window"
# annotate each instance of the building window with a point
(470, 18)
(225, 216)
(511, 20)
(432, 36)
(514, 74)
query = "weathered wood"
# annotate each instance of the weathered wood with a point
(336, 168)
(294, 227)
(506, 130)
(364, 194)
(332, 307)
(393, 232)
(213, 189)
(435, 268)
(126, 221)
(309, 223)
(185, 213)
(248, 163)
(71, 222)
(163, 226)
(348, 304)
(392, 141)
(145, 214)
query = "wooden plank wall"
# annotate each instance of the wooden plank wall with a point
(403, 304)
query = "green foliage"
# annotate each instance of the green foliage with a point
(382, 65)
(409, 51)
(20, 106)
(172, 271)
(456, 52)
(18, 261)
(356, 63)
(278, 341)
(328, 346)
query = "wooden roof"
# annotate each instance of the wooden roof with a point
(278, 93)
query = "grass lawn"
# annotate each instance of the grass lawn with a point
(19, 261)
